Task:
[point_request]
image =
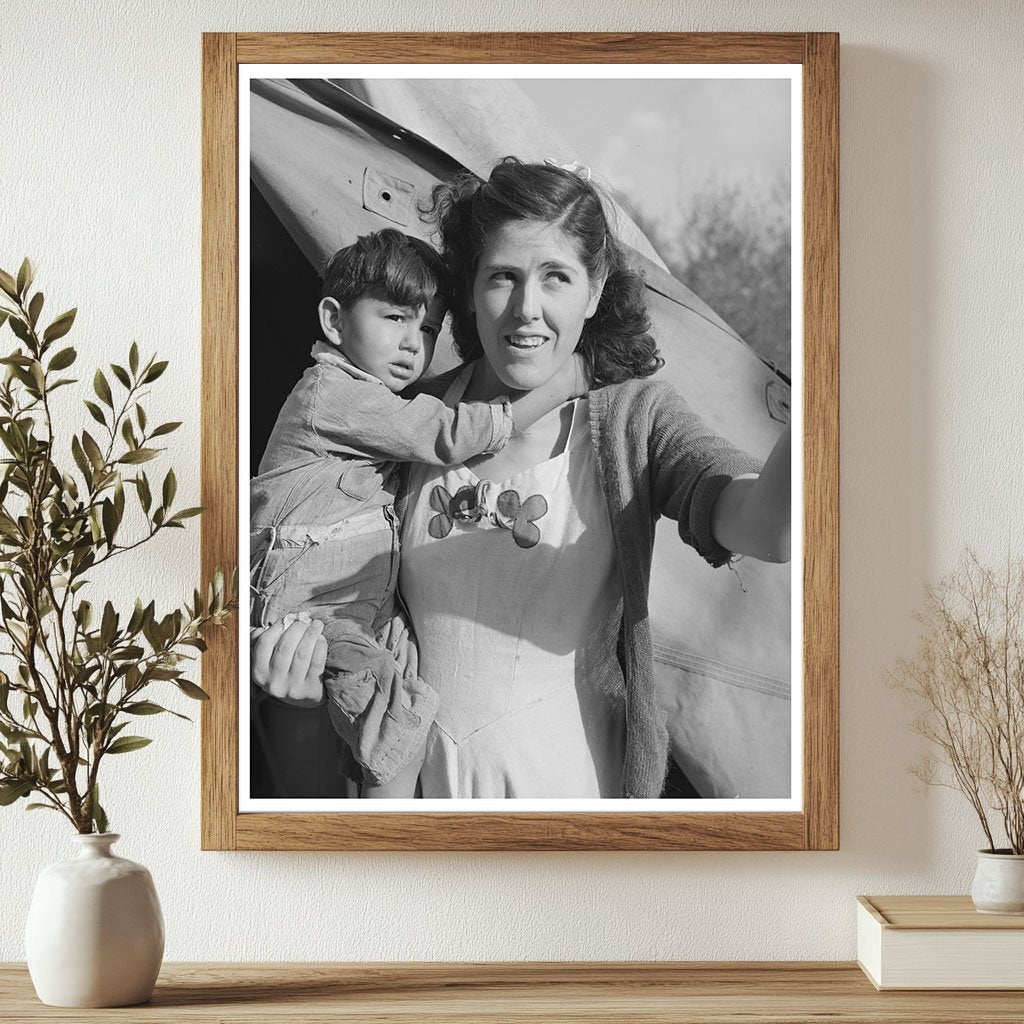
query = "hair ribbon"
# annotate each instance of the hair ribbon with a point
(575, 167)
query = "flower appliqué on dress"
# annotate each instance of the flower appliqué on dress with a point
(469, 505)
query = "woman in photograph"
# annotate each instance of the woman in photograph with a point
(526, 572)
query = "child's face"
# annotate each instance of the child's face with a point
(391, 342)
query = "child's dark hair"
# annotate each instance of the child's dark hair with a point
(386, 265)
(616, 341)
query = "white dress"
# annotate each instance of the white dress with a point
(515, 599)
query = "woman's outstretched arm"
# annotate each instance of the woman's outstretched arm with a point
(752, 514)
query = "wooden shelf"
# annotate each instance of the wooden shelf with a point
(695, 993)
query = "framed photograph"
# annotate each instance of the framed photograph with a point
(510, 342)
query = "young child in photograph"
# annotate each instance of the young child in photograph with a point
(324, 540)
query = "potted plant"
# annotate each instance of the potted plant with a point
(967, 681)
(82, 671)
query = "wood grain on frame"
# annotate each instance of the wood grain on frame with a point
(817, 826)
(533, 831)
(821, 441)
(219, 429)
(522, 48)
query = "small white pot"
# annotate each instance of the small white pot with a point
(95, 933)
(999, 883)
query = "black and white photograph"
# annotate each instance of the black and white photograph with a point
(520, 407)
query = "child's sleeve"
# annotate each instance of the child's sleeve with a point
(369, 421)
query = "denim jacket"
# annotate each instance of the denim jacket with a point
(340, 433)
(323, 540)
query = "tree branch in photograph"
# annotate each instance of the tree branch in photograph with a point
(735, 252)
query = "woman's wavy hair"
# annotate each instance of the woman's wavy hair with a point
(616, 341)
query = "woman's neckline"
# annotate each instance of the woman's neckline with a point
(455, 393)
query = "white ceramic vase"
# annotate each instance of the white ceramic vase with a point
(999, 883)
(95, 933)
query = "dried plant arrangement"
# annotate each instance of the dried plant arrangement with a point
(79, 669)
(967, 682)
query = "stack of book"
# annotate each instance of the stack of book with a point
(938, 942)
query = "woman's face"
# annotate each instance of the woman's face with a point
(531, 297)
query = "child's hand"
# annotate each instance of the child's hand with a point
(570, 380)
(579, 380)
(287, 659)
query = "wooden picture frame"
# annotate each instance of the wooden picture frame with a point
(816, 825)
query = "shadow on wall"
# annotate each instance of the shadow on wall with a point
(887, 207)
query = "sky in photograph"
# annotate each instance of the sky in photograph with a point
(660, 141)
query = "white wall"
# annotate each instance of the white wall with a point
(99, 182)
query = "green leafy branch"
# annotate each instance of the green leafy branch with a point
(81, 673)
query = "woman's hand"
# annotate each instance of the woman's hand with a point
(287, 659)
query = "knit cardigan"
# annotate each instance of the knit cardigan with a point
(655, 457)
